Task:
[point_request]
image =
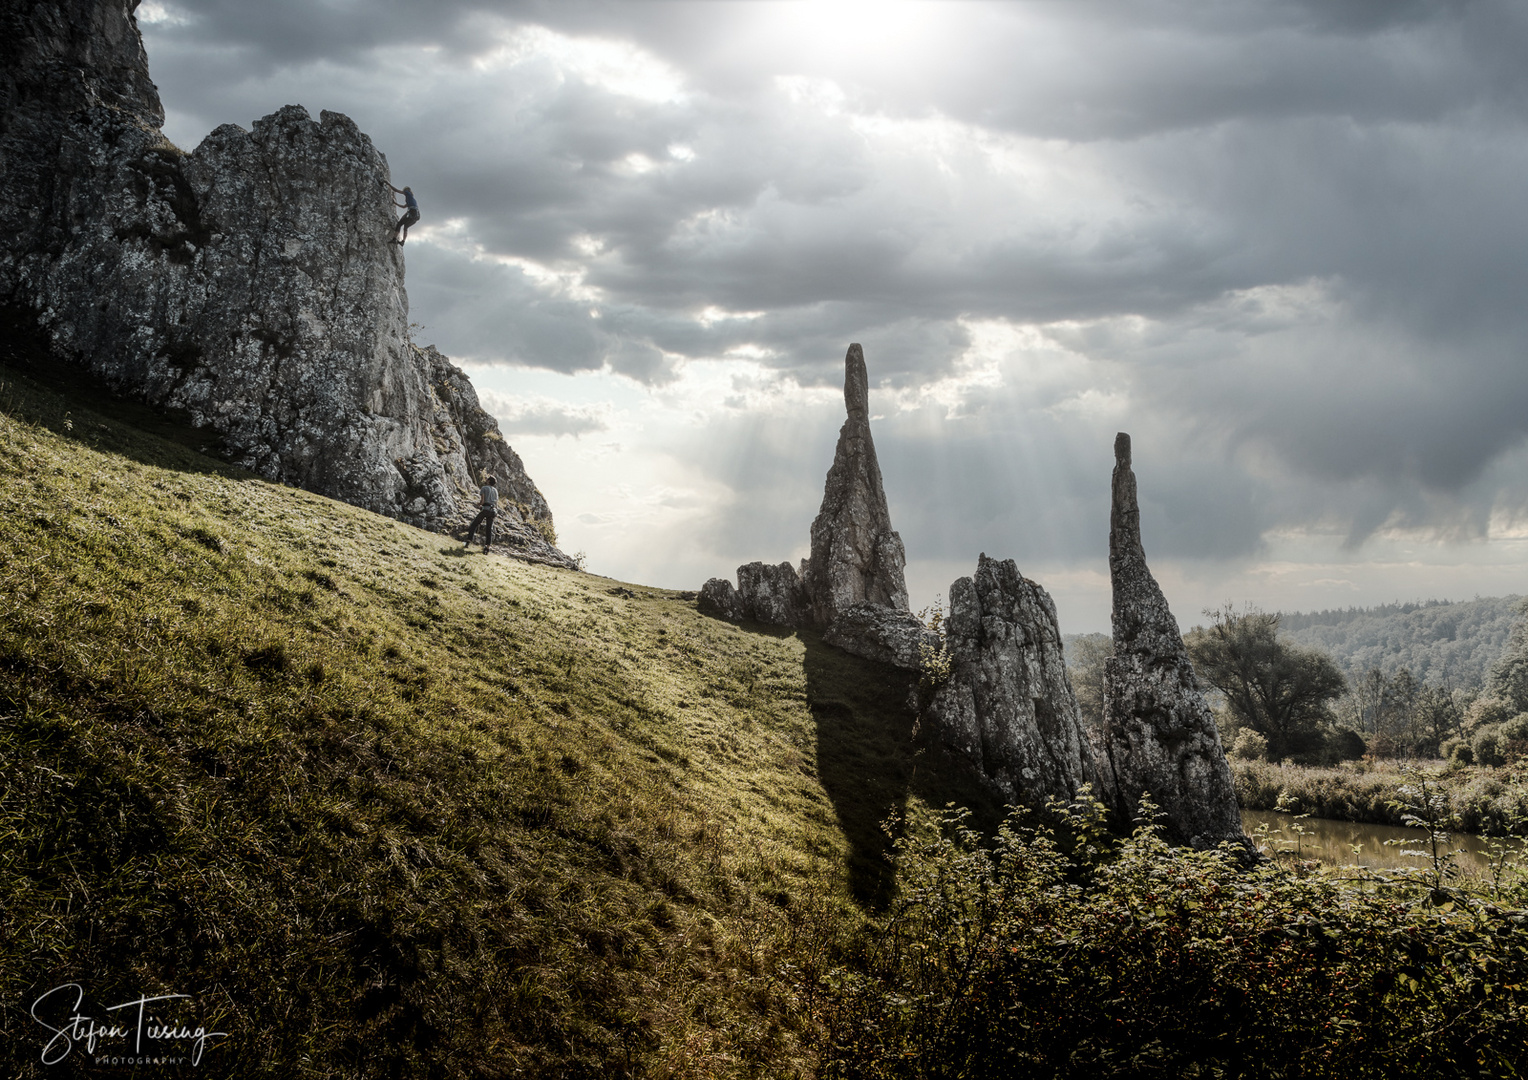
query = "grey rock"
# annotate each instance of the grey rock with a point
(856, 556)
(249, 283)
(720, 600)
(1008, 706)
(764, 593)
(771, 594)
(882, 634)
(1159, 735)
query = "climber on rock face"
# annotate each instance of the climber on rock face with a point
(410, 216)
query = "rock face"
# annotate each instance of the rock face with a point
(882, 634)
(856, 556)
(1159, 735)
(249, 283)
(1008, 706)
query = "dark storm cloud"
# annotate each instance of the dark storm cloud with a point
(1363, 161)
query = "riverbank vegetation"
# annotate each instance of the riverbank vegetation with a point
(1137, 960)
(1490, 801)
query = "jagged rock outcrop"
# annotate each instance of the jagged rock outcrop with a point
(1159, 735)
(771, 594)
(249, 283)
(883, 634)
(857, 558)
(764, 593)
(1008, 706)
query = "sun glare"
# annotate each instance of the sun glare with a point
(846, 30)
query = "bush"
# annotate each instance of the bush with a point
(1250, 746)
(1457, 752)
(1023, 960)
(1346, 745)
(1487, 746)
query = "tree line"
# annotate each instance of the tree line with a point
(1279, 699)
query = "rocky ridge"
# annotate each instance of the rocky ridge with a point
(1000, 695)
(249, 283)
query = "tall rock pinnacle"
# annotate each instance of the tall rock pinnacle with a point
(1159, 735)
(856, 556)
(248, 283)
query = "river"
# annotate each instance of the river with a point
(1345, 843)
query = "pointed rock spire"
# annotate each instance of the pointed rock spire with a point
(1159, 735)
(856, 556)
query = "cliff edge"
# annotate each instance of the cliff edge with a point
(249, 283)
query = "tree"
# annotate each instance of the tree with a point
(1086, 654)
(1509, 675)
(1280, 690)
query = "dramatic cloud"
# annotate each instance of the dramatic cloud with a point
(1281, 243)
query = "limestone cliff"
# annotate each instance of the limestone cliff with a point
(857, 558)
(248, 283)
(1159, 735)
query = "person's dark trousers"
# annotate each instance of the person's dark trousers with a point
(485, 515)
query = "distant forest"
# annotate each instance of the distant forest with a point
(1441, 643)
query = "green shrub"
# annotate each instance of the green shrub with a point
(1346, 745)
(1250, 746)
(1487, 746)
(1458, 752)
(1021, 960)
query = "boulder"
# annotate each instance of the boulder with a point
(857, 558)
(249, 283)
(882, 634)
(1007, 706)
(771, 594)
(1159, 736)
(720, 600)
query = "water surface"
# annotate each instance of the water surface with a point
(1348, 843)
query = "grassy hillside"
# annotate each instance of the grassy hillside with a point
(385, 808)
(382, 808)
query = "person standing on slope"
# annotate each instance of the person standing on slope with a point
(410, 215)
(488, 501)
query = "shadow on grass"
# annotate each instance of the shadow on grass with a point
(872, 755)
(42, 387)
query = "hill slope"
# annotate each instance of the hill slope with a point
(382, 807)
(1442, 643)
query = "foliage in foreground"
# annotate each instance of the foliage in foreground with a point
(1020, 959)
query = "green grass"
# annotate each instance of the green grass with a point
(384, 808)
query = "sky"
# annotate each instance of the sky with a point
(1283, 244)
